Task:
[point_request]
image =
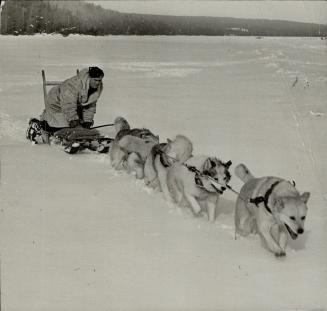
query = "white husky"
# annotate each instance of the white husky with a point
(176, 150)
(199, 182)
(270, 206)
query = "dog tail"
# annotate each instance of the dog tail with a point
(243, 173)
(121, 124)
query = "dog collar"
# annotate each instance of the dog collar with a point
(256, 201)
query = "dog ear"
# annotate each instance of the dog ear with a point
(228, 164)
(207, 165)
(169, 141)
(305, 197)
(292, 183)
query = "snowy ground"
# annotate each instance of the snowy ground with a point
(76, 235)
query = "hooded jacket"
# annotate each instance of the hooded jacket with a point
(70, 101)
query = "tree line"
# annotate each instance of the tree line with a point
(78, 17)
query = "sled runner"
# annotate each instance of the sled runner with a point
(100, 145)
(77, 146)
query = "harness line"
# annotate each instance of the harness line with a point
(104, 125)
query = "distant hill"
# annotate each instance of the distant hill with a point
(71, 17)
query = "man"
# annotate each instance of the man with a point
(70, 104)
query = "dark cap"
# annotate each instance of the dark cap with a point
(95, 72)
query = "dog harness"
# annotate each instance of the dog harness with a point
(157, 150)
(256, 201)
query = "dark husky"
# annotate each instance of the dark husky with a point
(136, 142)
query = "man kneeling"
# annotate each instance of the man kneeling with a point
(68, 105)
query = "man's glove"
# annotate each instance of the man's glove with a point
(87, 125)
(74, 123)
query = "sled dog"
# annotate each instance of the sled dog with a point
(270, 206)
(127, 145)
(137, 138)
(176, 150)
(199, 182)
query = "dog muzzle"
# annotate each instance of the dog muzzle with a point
(216, 187)
(291, 232)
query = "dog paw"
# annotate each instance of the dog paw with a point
(280, 254)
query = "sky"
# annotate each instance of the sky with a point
(303, 11)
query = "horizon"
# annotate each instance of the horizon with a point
(297, 11)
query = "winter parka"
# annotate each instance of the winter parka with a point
(70, 101)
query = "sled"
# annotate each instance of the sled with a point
(46, 83)
(78, 139)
